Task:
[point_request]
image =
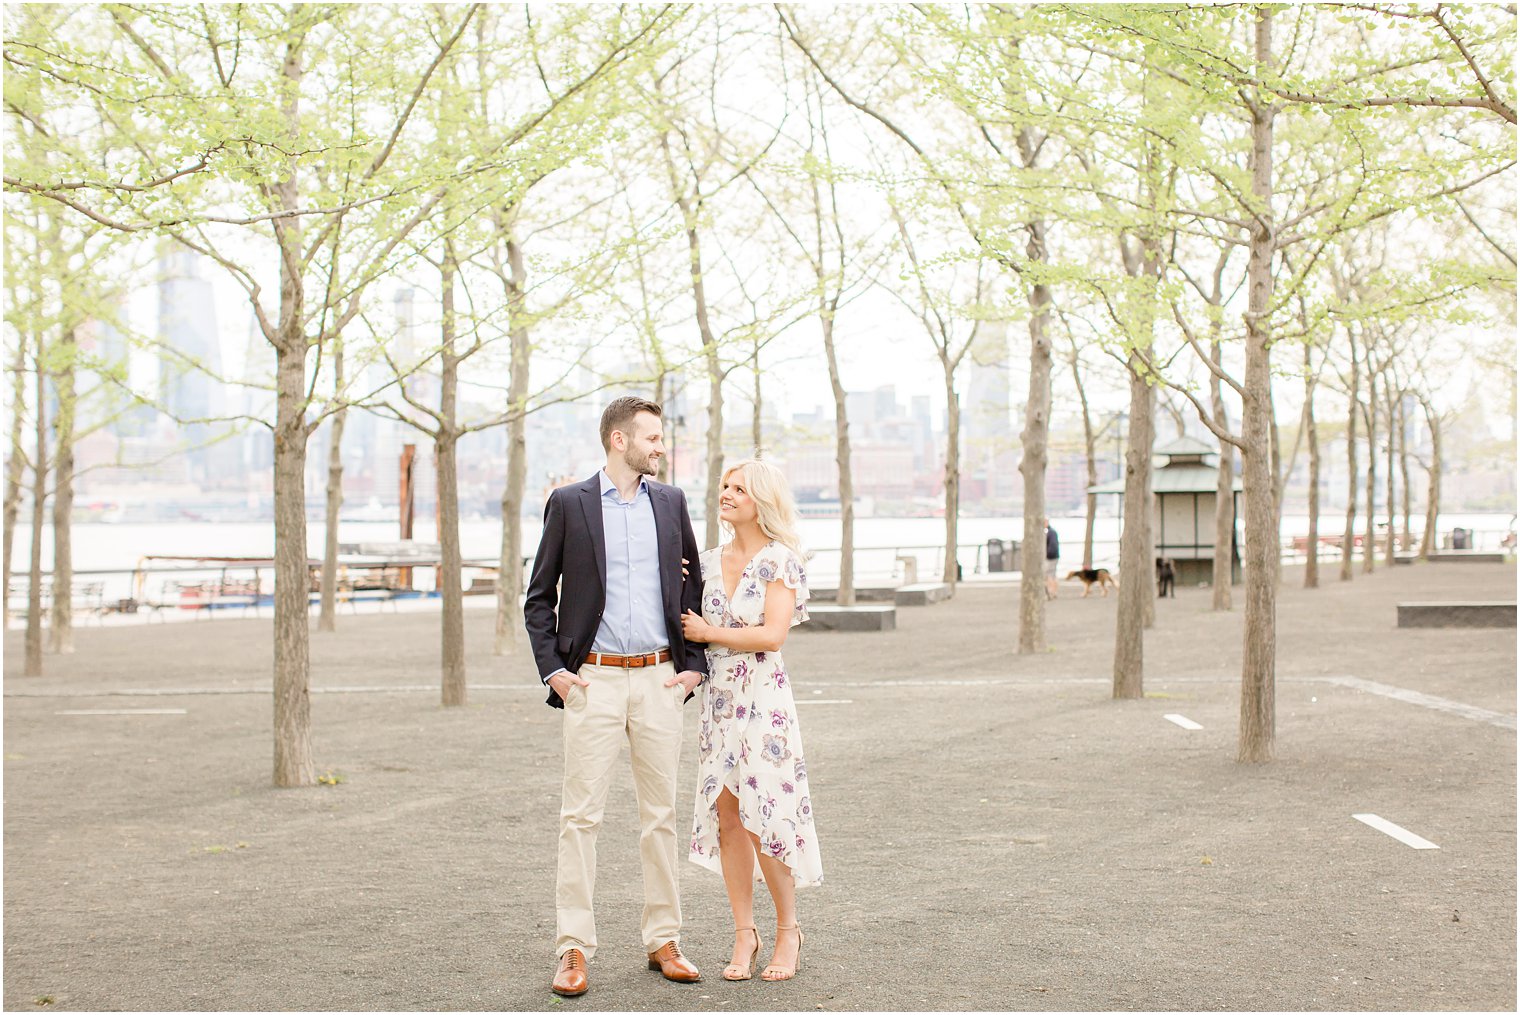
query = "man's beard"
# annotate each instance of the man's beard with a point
(639, 462)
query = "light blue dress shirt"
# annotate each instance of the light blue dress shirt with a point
(633, 620)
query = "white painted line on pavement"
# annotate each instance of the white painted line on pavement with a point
(1426, 701)
(123, 711)
(1457, 708)
(1182, 720)
(1387, 827)
(983, 682)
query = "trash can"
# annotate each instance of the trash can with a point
(996, 559)
(1461, 539)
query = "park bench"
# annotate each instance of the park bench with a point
(87, 597)
(863, 593)
(207, 596)
(1468, 557)
(865, 617)
(921, 593)
(1457, 614)
(354, 596)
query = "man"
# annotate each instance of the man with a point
(609, 646)
(1052, 561)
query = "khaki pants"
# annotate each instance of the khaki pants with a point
(619, 703)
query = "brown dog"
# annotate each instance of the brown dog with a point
(1091, 576)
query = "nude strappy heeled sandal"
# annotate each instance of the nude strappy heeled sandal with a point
(734, 971)
(789, 971)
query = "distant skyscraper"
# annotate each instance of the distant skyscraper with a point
(190, 362)
(404, 345)
(377, 440)
(987, 435)
(920, 411)
(187, 388)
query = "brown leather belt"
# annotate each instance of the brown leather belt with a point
(628, 662)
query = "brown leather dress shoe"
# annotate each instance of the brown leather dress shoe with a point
(570, 978)
(673, 965)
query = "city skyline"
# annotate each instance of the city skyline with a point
(897, 431)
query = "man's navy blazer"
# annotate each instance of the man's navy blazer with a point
(567, 591)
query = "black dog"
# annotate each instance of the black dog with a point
(1166, 578)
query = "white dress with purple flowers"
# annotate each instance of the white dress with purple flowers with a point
(749, 740)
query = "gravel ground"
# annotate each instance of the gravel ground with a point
(998, 834)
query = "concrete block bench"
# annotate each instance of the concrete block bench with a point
(866, 617)
(921, 594)
(863, 593)
(1457, 614)
(1467, 557)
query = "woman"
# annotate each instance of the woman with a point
(753, 806)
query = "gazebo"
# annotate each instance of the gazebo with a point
(1184, 484)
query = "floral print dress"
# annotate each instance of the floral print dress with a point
(749, 740)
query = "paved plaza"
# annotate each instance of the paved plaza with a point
(997, 833)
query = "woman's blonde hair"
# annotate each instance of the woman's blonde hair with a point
(775, 507)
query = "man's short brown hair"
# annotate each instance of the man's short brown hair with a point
(620, 413)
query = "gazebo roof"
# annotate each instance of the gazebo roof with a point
(1175, 479)
(1187, 446)
(1171, 476)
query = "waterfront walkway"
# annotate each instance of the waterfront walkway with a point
(997, 832)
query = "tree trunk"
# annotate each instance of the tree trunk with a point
(1404, 496)
(757, 423)
(1152, 264)
(509, 585)
(15, 467)
(952, 474)
(714, 372)
(1258, 732)
(846, 595)
(1369, 530)
(61, 623)
(1279, 482)
(293, 765)
(1035, 439)
(1224, 487)
(1311, 432)
(450, 582)
(1433, 490)
(714, 442)
(1348, 537)
(1147, 563)
(662, 467)
(1391, 460)
(446, 445)
(1090, 450)
(1279, 476)
(328, 618)
(33, 665)
(1135, 587)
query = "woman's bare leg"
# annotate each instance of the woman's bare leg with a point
(778, 878)
(734, 852)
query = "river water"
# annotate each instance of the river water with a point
(878, 541)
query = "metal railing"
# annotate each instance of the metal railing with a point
(873, 563)
(146, 592)
(204, 590)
